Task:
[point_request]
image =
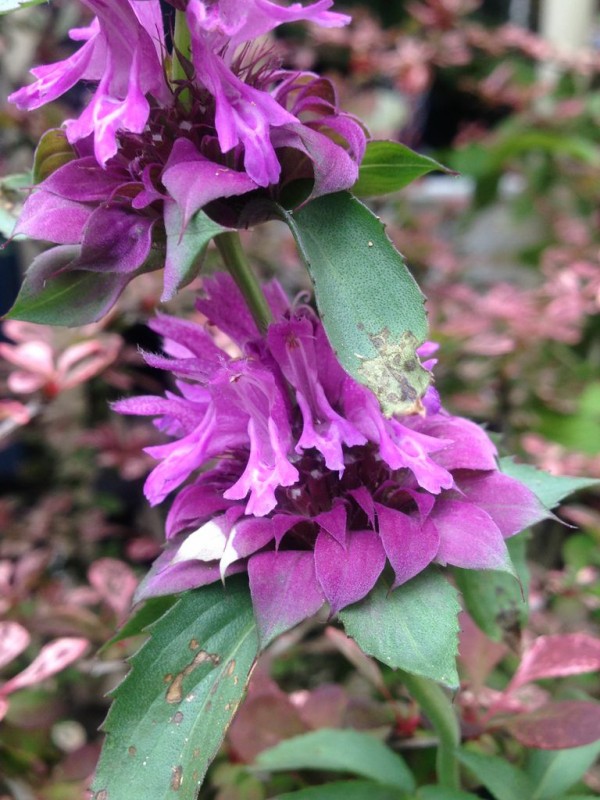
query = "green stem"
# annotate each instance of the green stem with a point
(440, 712)
(235, 260)
(182, 44)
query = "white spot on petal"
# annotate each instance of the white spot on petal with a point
(205, 544)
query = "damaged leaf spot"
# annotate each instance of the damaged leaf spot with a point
(395, 374)
(194, 644)
(132, 750)
(101, 795)
(176, 778)
(175, 690)
(177, 718)
(230, 669)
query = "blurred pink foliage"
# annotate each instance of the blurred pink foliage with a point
(43, 366)
(523, 708)
(52, 658)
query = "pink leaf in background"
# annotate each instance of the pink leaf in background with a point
(365, 665)
(13, 640)
(3, 707)
(571, 723)
(266, 717)
(84, 360)
(51, 659)
(477, 653)
(115, 583)
(556, 657)
(323, 707)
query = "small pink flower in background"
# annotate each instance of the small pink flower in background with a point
(42, 367)
(52, 658)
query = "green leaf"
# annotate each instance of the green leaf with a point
(442, 793)
(142, 618)
(370, 304)
(495, 600)
(185, 248)
(413, 628)
(73, 297)
(345, 790)
(52, 152)
(342, 751)
(553, 772)
(14, 5)
(500, 778)
(390, 166)
(12, 197)
(170, 714)
(550, 489)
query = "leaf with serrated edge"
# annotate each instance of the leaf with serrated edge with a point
(500, 778)
(371, 307)
(342, 751)
(142, 618)
(414, 628)
(495, 600)
(550, 489)
(390, 166)
(170, 714)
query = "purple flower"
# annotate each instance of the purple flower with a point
(312, 490)
(148, 156)
(123, 53)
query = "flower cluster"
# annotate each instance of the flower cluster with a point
(312, 490)
(149, 151)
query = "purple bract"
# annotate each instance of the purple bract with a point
(233, 137)
(312, 490)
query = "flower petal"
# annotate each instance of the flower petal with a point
(410, 546)
(469, 537)
(348, 574)
(284, 590)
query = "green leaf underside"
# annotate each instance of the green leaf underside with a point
(390, 166)
(503, 780)
(13, 5)
(74, 298)
(495, 599)
(371, 307)
(553, 772)
(413, 628)
(339, 750)
(550, 489)
(170, 714)
(186, 248)
(346, 790)
(53, 151)
(142, 618)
